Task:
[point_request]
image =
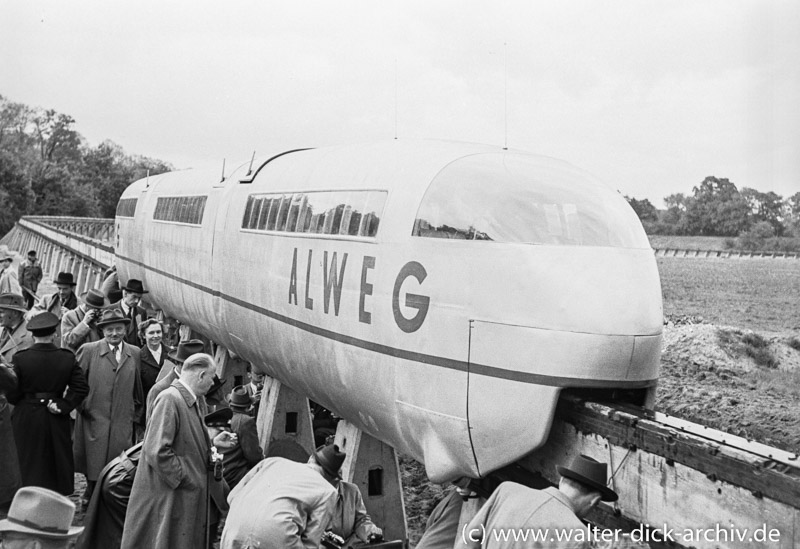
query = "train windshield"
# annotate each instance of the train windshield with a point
(526, 199)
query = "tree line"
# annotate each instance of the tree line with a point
(717, 208)
(48, 168)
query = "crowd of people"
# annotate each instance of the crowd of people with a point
(170, 459)
(88, 385)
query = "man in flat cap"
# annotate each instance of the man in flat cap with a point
(39, 518)
(79, 326)
(132, 293)
(283, 504)
(30, 274)
(50, 384)
(8, 278)
(514, 506)
(105, 423)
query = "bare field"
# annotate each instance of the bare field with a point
(658, 241)
(758, 294)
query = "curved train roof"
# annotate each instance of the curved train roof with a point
(409, 164)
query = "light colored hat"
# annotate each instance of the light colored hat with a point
(41, 512)
(15, 302)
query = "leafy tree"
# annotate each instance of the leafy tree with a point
(717, 209)
(767, 207)
(46, 168)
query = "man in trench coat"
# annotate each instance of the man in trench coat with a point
(104, 426)
(175, 495)
(14, 337)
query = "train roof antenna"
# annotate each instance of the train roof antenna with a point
(250, 167)
(223, 171)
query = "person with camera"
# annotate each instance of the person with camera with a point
(79, 325)
(238, 461)
(350, 520)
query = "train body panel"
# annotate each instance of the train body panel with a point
(387, 283)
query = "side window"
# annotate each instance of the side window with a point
(349, 213)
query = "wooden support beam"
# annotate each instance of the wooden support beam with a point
(284, 422)
(373, 467)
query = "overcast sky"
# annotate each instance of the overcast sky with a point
(651, 97)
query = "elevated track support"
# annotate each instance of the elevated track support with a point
(679, 484)
(82, 246)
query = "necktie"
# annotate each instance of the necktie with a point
(117, 352)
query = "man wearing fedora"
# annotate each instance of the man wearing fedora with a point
(237, 461)
(39, 519)
(79, 326)
(105, 423)
(284, 504)
(8, 278)
(132, 293)
(30, 274)
(514, 506)
(61, 301)
(50, 384)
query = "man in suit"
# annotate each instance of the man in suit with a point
(253, 388)
(514, 506)
(132, 294)
(105, 425)
(8, 278)
(30, 274)
(79, 326)
(50, 386)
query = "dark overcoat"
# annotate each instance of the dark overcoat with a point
(105, 517)
(246, 454)
(104, 426)
(44, 440)
(10, 479)
(150, 367)
(168, 505)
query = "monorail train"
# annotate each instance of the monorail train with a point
(438, 295)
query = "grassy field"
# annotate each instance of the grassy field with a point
(759, 294)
